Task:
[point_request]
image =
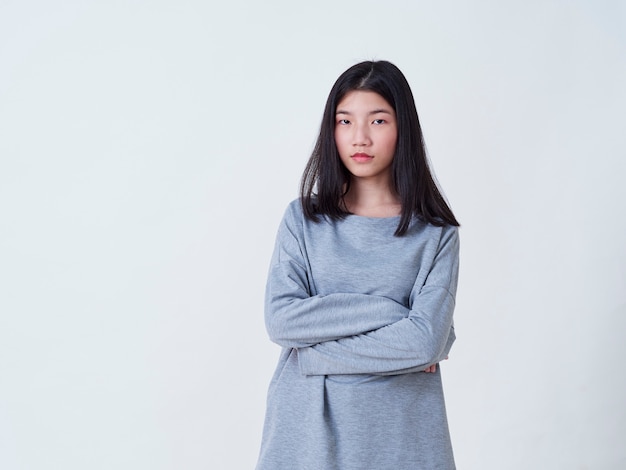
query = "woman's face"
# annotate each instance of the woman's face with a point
(366, 134)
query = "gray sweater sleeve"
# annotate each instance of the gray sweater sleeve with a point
(421, 338)
(295, 318)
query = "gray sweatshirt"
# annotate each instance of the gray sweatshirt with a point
(359, 314)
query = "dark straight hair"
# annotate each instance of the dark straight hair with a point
(326, 180)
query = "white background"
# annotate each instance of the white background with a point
(149, 148)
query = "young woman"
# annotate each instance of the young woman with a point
(361, 292)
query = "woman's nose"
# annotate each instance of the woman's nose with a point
(361, 136)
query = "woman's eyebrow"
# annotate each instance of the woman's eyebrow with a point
(375, 111)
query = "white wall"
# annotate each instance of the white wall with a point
(148, 150)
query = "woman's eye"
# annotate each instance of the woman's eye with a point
(379, 121)
(343, 121)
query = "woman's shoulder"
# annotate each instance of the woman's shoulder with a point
(294, 210)
(293, 217)
(438, 228)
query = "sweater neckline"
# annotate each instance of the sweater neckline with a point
(365, 217)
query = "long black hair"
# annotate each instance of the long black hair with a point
(326, 180)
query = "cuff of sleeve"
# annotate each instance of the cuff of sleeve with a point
(305, 360)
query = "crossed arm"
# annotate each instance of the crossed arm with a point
(346, 333)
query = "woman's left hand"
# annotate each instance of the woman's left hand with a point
(433, 368)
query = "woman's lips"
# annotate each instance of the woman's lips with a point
(361, 157)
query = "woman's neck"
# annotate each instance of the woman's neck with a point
(372, 199)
